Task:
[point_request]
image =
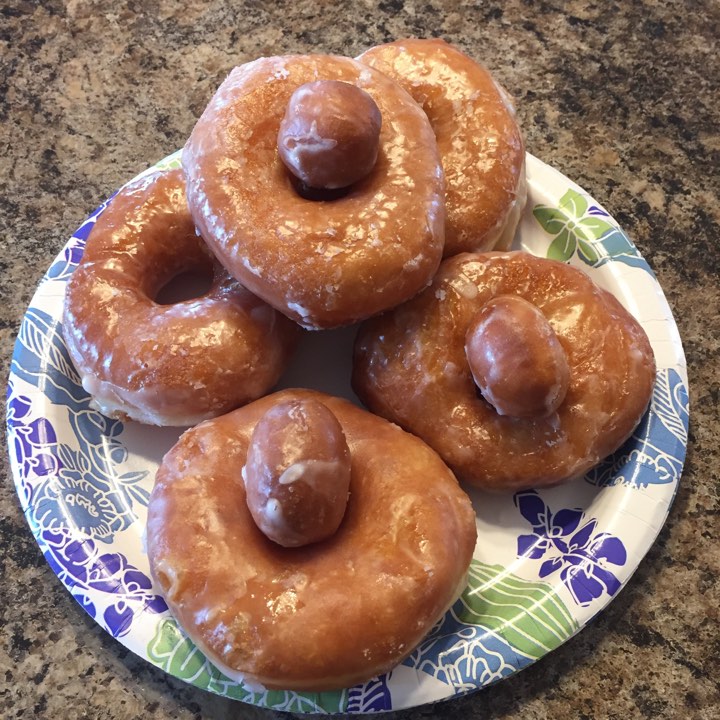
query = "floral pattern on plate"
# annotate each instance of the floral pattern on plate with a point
(568, 542)
(579, 226)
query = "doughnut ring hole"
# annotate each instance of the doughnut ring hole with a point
(318, 194)
(185, 285)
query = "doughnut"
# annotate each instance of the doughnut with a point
(165, 364)
(323, 256)
(322, 615)
(481, 147)
(519, 371)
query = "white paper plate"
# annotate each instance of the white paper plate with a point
(546, 563)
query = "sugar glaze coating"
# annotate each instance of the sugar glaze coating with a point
(297, 473)
(326, 615)
(322, 263)
(516, 359)
(480, 142)
(173, 364)
(329, 136)
(410, 366)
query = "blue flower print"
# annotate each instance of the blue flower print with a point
(18, 406)
(81, 495)
(65, 263)
(32, 444)
(372, 696)
(112, 573)
(569, 543)
(66, 487)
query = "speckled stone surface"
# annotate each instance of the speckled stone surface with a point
(620, 96)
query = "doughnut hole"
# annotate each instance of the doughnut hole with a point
(330, 135)
(516, 359)
(297, 473)
(175, 269)
(185, 285)
(311, 193)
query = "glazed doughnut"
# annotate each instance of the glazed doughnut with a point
(554, 397)
(325, 615)
(322, 262)
(165, 364)
(481, 147)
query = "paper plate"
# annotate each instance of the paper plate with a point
(547, 562)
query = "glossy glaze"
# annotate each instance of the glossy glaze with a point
(410, 367)
(322, 263)
(297, 473)
(326, 615)
(172, 364)
(480, 142)
(516, 359)
(330, 134)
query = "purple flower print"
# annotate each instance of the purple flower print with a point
(569, 544)
(18, 406)
(87, 572)
(30, 443)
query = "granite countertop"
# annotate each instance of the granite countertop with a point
(621, 97)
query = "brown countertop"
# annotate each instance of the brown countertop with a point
(620, 97)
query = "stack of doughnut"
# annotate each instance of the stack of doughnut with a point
(317, 192)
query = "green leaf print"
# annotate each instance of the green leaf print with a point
(594, 227)
(528, 615)
(574, 230)
(563, 246)
(171, 650)
(552, 220)
(587, 252)
(171, 162)
(175, 653)
(574, 204)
